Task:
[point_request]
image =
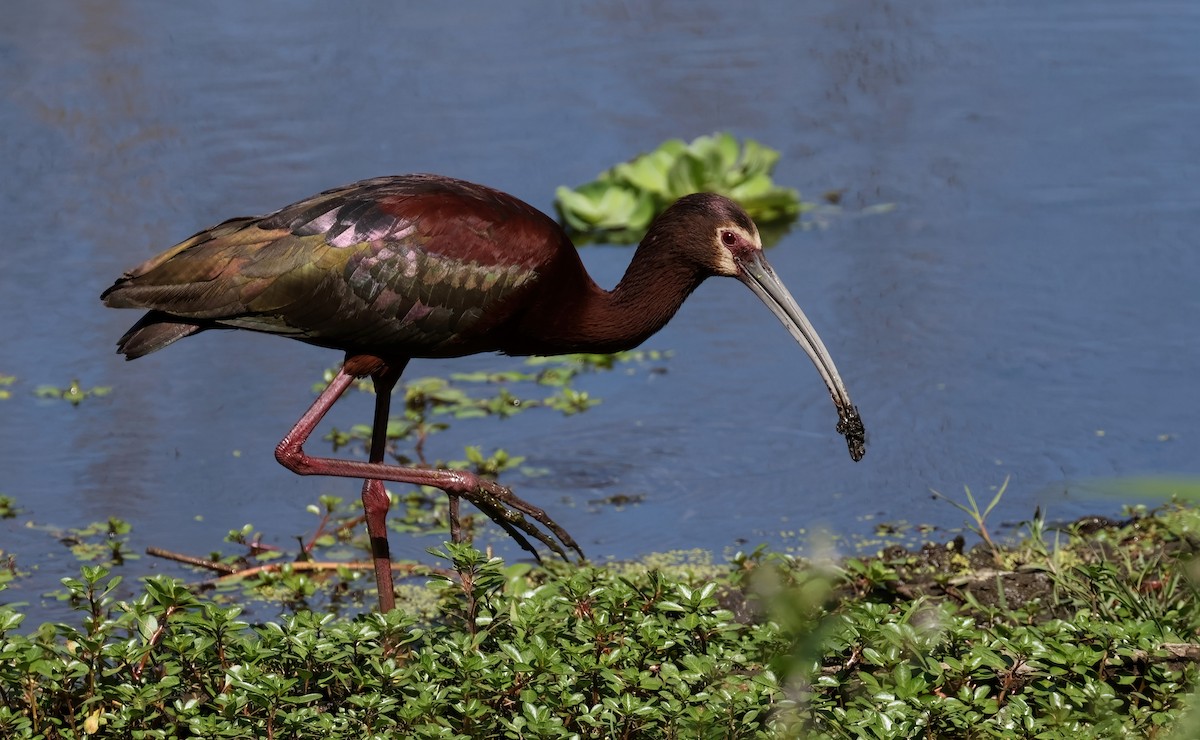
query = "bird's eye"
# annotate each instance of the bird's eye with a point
(728, 239)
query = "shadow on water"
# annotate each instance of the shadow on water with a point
(1028, 310)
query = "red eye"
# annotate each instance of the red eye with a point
(728, 239)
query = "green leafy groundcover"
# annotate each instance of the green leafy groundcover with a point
(587, 653)
(1089, 639)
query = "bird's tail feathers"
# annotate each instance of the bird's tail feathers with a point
(154, 331)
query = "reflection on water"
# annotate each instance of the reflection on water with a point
(1029, 309)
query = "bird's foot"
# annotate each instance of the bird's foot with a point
(513, 515)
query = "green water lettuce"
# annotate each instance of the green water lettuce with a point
(620, 204)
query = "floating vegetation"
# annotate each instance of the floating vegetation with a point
(430, 403)
(75, 393)
(101, 542)
(620, 203)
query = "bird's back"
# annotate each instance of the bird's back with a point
(405, 266)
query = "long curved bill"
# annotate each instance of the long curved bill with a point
(757, 274)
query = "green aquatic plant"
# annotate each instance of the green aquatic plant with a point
(620, 203)
(75, 393)
(6, 382)
(101, 542)
(429, 403)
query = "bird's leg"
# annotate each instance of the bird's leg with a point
(455, 528)
(374, 496)
(490, 497)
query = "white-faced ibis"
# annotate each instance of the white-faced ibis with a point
(394, 268)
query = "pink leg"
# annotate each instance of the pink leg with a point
(490, 497)
(374, 496)
(455, 531)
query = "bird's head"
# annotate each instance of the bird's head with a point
(709, 231)
(719, 238)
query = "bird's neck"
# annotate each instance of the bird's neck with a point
(652, 290)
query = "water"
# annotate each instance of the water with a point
(1029, 309)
